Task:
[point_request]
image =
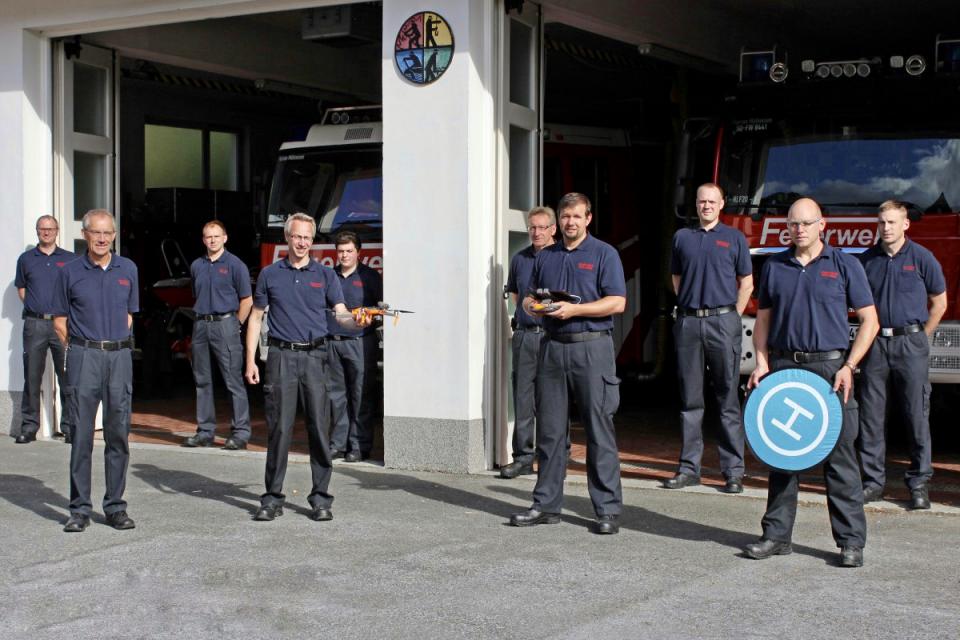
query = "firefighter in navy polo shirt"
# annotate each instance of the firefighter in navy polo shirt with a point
(713, 278)
(36, 279)
(95, 300)
(910, 293)
(805, 292)
(577, 359)
(527, 335)
(301, 294)
(353, 356)
(221, 288)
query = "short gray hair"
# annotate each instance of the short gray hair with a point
(299, 217)
(47, 216)
(97, 213)
(542, 211)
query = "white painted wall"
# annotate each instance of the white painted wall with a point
(438, 236)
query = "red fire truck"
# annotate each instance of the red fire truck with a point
(849, 133)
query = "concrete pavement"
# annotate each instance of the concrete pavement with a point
(427, 555)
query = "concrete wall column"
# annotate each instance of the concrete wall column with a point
(438, 194)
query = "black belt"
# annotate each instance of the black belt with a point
(102, 345)
(215, 317)
(583, 336)
(803, 357)
(887, 332)
(39, 316)
(297, 346)
(343, 338)
(534, 329)
(704, 313)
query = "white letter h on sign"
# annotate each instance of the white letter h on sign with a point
(797, 412)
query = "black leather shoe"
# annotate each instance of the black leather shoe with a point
(919, 498)
(198, 440)
(321, 514)
(872, 493)
(76, 523)
(25, 439)
(232, 444)
(733, 485)
(680, 481)
(66, 438)
(851, 557)
(515, 469)
(336, 454)
(352, 456)
(268, 512)
(607, 525)
(763, 548)
(120, 520)
(532, 517)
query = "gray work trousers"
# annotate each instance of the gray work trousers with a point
(526, 351)
(222, 339)
(351, 383)
(587, 372)
(293, 375)
(840, 472)
(38, 337)
(903, 364)
(95, 377)
(709, 346)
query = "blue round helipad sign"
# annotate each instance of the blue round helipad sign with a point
(793, 419)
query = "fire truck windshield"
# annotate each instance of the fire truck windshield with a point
(340, 189)
(766, 169)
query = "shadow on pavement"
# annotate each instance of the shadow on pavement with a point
(31, 494)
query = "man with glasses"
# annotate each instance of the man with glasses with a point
(303, 297)
(221, 287)
(910, 290)
(96, 297)
(712, 277)
(527, 333)
(805, 292)
(37, 273)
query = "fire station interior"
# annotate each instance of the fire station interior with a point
(204, 107)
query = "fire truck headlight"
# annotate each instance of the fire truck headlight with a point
(807, 66)
(849, 69)
(896, 62)
(778, 72)
(863, 69)
(836, 70)
(823, 71)
(915, 65)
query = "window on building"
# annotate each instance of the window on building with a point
(190, 157)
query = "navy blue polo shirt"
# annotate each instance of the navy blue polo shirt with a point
(218, 285)
(902, 283)
(708, 263)
(809, 304)
(37, 272)
(95, 300)
(362, 288)
(518, 282)
(592, 271)
(300, 300)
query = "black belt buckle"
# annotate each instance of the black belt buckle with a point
(703, 313)
(798, 357)
(215, 317)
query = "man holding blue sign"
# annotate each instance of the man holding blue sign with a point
(908, 285)
(712, 277)
(804, 295)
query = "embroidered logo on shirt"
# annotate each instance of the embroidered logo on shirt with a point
(909, 267)
(586, 266)
(124, 282)
(60, 264)
(830, 274)
(223, 270)
(358, 283)
(316, 285)
(723, 243)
